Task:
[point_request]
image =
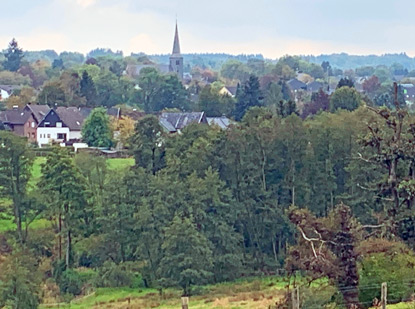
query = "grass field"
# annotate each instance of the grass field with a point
(6, 221)
(247, 293)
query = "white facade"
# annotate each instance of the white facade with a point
(45, 135)
(4, 95)
(75, 135)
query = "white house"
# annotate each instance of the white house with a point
(52, 129)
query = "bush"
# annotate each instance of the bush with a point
(113, 275)
(70, 282)
(394, 264)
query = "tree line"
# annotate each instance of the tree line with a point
(208, 205)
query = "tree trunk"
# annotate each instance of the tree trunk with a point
(68, 249)
(60, 236)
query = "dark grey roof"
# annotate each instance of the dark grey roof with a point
(409, 93)
(14, 116)
(314, 86)
(167, 125)
(71, 116)
(180, 120)
(9, 88)
(222, 122)
(38, 111)
(232, 89)
(295, 84)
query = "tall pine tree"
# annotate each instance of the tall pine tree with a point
(88, 90)
(14, 56)
(249, 96)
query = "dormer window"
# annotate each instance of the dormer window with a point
(59, 124)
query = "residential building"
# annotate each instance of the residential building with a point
(52, 129)
(175, 122)
(20, 121)
(314, 86)
(222, 122)
(295, 85)
(228, 90)
(6, 91)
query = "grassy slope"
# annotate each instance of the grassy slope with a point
(246, 293)
(6, 222)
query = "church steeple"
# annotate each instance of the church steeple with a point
(176, 59)
(176, 44)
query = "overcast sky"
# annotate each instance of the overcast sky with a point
(270, 27)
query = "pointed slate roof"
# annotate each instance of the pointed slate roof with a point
(38, 111)
(176, 44)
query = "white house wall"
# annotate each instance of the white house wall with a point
(4, 94)
(75, 135)
(45, 135)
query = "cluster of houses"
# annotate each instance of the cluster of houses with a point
(44, 125)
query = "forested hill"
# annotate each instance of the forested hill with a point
(215, 60)
(346, 61)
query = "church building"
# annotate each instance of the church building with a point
(176, 59)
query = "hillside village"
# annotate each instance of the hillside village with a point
(206, 180)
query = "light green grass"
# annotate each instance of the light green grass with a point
(37, 168)
(113, 164)
(245, 293)
(402, 306)
(102, 295)
(6, 222)
(120, 163)
(6, 225)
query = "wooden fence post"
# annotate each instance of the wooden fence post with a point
(295, 298)
(185, 302)
(384, 294)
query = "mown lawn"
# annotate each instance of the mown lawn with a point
(120, 163)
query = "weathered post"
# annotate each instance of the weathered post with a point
(295, 298)
(384, 293)
(185, 302)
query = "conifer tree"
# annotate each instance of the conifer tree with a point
(187, 255)
(14, 56)
(249, 96)
(88, 89)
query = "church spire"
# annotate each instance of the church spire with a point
(176, 45)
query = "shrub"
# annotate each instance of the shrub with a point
(113, 275)
(70, 282)
(394, 263)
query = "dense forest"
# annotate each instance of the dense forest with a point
(315, 185)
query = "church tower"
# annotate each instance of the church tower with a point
(176, 59)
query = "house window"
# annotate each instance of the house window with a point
(48, 135)
(59, 124)
(33, 124)
(47, 124)
(62, 136)
(33, 134)
(177, 62)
